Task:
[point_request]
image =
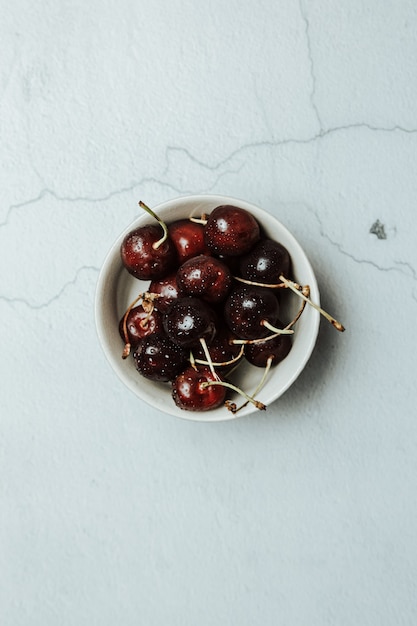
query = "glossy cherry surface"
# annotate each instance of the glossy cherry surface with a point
(247, 308)
(188, 239)
(206, 277)
(265, 263)
(139, 324)
(222, 351)
(275, 349)
(167, 290)
(158, 358)
(188, 320)
(190, 392)
(231, 231)
(140, 256)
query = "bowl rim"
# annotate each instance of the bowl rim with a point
(113, 255)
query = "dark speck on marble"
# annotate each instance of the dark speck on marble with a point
(378, 229)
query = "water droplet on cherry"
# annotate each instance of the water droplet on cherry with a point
(191, 392)
(188, 320)
(206, 277)
(156, 357)
(231, 231)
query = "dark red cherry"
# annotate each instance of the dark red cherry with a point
(158, 358)
(144, 256)
(206, 277)
(138, 324)
(231, 231)
(266, 262)
(249, 311)
(167, 290)
(188, 239)
(275, 349)
(232, 263)
(188, 320)
(191, 392)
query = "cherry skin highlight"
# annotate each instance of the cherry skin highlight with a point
(167, 289)
(231, 231)
(266, 261)
(206, 277)
(188, 320)
(247, 308)
(143, 257)
(188, 239)
(139, 324)
(190, 393)
(158, 358)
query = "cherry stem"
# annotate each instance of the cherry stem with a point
(231, 362)
(259, 405)
(144, 323)
(126, 350)
(277, 331)
(192, 361)
(255, 284)
(306, 292)
(260, 384)
(208, 357)
(199, 220)
(164, 227)
(235, 367)
(296, 288)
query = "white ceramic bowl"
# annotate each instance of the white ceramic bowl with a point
(116, 288)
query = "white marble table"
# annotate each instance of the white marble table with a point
(110, 512)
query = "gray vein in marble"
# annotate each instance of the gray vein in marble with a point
(306, 21)
(211, 167)
(55, 297)
(94, 199)
(400, 266)
(50, 192)
(284, 142)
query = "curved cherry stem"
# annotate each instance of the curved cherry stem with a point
(208, 357)
(259, 387)
(306, 291)
(216, 364)
(199, 220)
(144, 323)
(126, 349)
(295, 288)
(298, 290)
(252, 282)
(148, 306)
(192, 361)
(164, 227)
(277, 331)
(259, 405)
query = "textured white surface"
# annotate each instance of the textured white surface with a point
(111, 513)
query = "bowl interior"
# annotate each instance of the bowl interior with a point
(116, 288)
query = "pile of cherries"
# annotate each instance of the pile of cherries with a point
(213, 299)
